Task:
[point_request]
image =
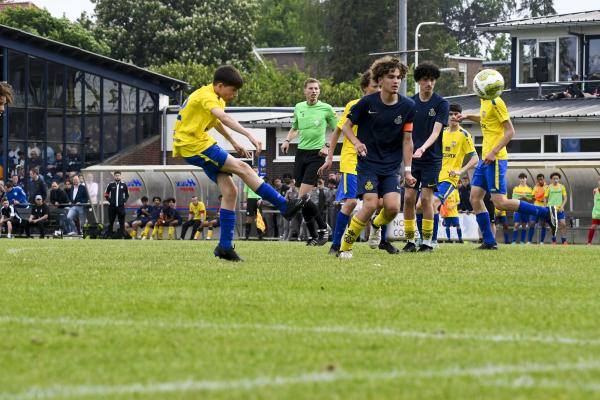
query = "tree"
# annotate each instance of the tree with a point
(154, 32)
(536, 8)
(281, 23)
(40, 22)
(501, 48)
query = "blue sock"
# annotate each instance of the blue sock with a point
(227, 228)
(563, 239)
(523, 233)
(384, 233)
(483, 220)
(531, 233)
(420, 225)
(553, 239)
(515, 235)
(269, 193)
(530, 209)
(448, 232)
(341, 221)
(436, 222)
(542, 234)
(506, 237)
(459, 232)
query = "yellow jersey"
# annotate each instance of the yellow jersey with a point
(538, 192)
(522, 191)
(493, 114)
(500, 213)
(452, 204)
(348, 156)
(456, 145)
(197, 210)
(190, 136)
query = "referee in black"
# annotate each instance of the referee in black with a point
(116, 194)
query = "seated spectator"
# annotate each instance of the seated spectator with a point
(155, 211)
(79, 200)
(573, 91)
(172, 217)
(196, 217)
(215, 222)
(10, 217)
(36, 185)
(142, 216)
(16, 196)
(38, 218)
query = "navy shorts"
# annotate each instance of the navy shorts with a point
(501, 219)
(426, 175)
(143, 221)
(210, 160)
(369, 182)
(452, 221)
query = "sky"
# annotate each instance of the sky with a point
(73, 8)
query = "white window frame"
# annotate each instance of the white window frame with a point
(464, 68)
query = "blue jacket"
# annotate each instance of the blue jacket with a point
(17, 193)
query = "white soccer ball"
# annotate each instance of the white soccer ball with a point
(488, 84)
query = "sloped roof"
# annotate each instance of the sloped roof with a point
(572, 19)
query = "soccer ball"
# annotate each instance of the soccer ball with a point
(488, 84)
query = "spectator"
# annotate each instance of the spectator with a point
(92, 188)
(464, 191)
(116, 194)
(16, 195)
(196, 216)
(59, 200)
(215, 222)
(332, 205)
(155, 211)
(573, 91)
(292, 228)
(36, 185)
(39, 217)
(276, 217)
(16, 180)
(252, 201)
(79, 199)
(10, 217)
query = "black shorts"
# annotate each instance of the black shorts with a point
(251, 206)
(306, 165)
(426, 174)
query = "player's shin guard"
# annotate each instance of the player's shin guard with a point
(381, 219)
(410, 225)
(161, 232)
(352, 233)
(459, 232)
(227, 228)
(146, 231)
(209, 234)
(542, 234)
(506, 237)
(515, 235)
(427, 231)
(448, 232)
(197, 235)
(591, 235)
(523, 233)
(341, 222)
(384, 230)
(133, 233)
(483, 220)
(170, 232)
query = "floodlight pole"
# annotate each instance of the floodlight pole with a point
(417, 44)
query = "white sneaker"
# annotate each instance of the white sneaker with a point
(374, 237)
(144, 237)
(435, 244)
(344, 254)
(9, 236)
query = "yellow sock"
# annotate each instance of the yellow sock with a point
(155, 232)
(146, 231)
(381, 220)
(352, 233)
(161, 232)
(133, 233)
(171, 233)
(197, 235)
(210, 233)
(410, 226)
(427, 229)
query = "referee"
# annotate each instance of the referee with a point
(116, 194)
(311, 120)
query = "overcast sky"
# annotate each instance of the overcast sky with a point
(73, 8)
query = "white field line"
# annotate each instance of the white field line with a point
(348, 330)
(533, 383)
(78, 391)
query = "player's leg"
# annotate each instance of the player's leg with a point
(427, 204)
(531, 228)
(358, 223)
(251, 207)
(229, 191)
(9, 228)
(562, 223)
(376, 231)
(516, 224)
(390, 202)
(592, 231)
(410, 222)
(346, 194)
(479, 187)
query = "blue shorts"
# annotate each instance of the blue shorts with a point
(347, 188)
(210, 160)
(444, 189)
(143, 221)
(501, 219)
(426, 175)
(452, 221)
(561, 215)
(522, 218)
(491, 177)
(369, 182)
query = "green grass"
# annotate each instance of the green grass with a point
(155, 320)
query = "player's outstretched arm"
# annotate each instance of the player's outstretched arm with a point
(234, 125)
(470, 117)
(437, 129)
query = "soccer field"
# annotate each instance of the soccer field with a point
(156, 320)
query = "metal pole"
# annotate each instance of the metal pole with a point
(402, 37)
(417, 45)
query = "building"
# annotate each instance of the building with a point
(284, 57)
(74, 108)
(466, 67)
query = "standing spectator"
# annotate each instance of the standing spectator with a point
(464, 191)
(78, 197)
(92, 188)
(10, 217)
(39, 217)
(332, 205)
(16, 180)
(292, 227)
(556, 195)
(36, 185)
(59, 200)
(116, 194)
(276, 220)
(16, 195)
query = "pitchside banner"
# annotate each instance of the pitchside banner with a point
(468, 224)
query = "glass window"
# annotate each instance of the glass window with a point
(524, 146)
(37, 119)
(92, 93)
(55, 126)
(17, 127)
(567, 58)
(74, 88)
(54, 160)
(111, 134)
(148, 116)
(548, 50)
(73, 158)
(17, 63)
(16, 158)
(128, 99)
(128, 130)
(92, 140)
(462, 74)
(576, 145)
(526, 54)
(73, 128)
(551, 144)
(111, 96)
(56, 74)
(37, 93)
(593, 67)
(147, 101)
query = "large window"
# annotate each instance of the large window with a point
(567, 58)
(17, 65)
(580, 145)
(548, 50)
(527, 50)
(561, 54)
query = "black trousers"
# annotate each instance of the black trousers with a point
(113, 213)
(40, 225)
(194, 223)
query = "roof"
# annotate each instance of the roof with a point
(280, 50)
(465, 58)
(573, 19)
(522, 104)
(85, 60)
(21, 4)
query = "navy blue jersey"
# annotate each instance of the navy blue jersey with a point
(155, 211)
(381, 128)
(139, 213)
(427, 114)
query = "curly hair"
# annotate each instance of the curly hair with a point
(427, 70)
(365, 79)
(385, 65)
(6, 90)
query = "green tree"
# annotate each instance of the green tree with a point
(281, 23)
(154, 32)
(536, 8)
(41, 23)
(501, 48)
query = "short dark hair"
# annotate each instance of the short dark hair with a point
(539, 176)
(386, 64)
(426, 70)
(552, 175)
(117, 172)
(144, 198)
(311, 80)
(156, 198)
(455, 108)
(8, 185)
(6, 90)
(365, 79)
(522, 175)
(228, 75)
